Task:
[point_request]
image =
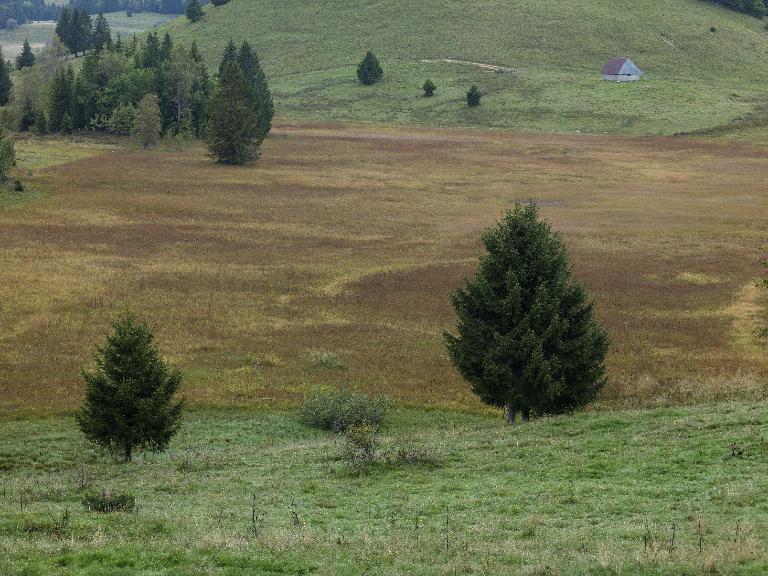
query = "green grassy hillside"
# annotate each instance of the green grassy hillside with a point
(593, 494)
(696, 78)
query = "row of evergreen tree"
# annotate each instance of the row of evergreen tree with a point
(161, 6)
(16, 12)
(116, 76)
(78, 32)
(757, 8)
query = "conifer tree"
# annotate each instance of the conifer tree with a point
(527, 339)
(101, 37)
(261, 98)
(5, 80)
(194, 11)
(41, 122)
(27, 115)
(80, 31)
(233, 136)
(429, 88)
(151, 55)
(369, 71)
(166, 48)
(230, 55)
(64, 27)
(26, 58)
(473, 96)
(130, 395)
(60, 99)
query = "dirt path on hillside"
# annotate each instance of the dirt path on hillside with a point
(483, 65)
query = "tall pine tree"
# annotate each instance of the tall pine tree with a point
(102, 34)
(60, 99)
(233, 136)
(261, 98)
(527, 339)
(130, 395)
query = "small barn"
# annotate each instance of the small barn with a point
(621, 70)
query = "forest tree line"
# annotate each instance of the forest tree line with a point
(106, 94)
(14, 13)
(757, 8)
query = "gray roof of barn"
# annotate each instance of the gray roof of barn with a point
(621, 67)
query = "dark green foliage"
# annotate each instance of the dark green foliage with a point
(151, 54)
(129, 396)
(166, 47)
(74, 29)
(60, 99)
(219, 2)
(233, 136)
(473, 96)
(7, 154)
(369, 71)
(194, 11)
(67, 124)
(260, 97)
(429, 88)
(753, 7)
(41, 123)
(26, 58)
(18, 186)
(102, 34)
(229, 56)
(27, 115)
(526, 334)
(64, 26)
(107, 502)
(337, 411)
(5, 80)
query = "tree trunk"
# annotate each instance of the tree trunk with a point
(511, 413)
(526, 414)
(128, 452)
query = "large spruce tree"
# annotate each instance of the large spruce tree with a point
(233, 131)
(130, 395)
(102, 34)
(527, 339)
(60, 98)
(261, 98)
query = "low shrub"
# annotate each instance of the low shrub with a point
(328, 360)
(360, 444)
(337, 411)
(107, 502)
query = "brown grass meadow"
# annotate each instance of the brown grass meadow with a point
(331, 260)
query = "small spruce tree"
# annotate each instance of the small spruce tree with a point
(429, 88)
(147, 121)
(41, 122)
(473, 96)
(27, 58)
(194, 10)
(27, 115)
(130, 395)
(369, 71)
(527, 339)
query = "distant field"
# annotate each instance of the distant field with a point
(695, 78)
(39, 33)
(349, 240)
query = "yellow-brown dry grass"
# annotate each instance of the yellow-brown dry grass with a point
(346, 242)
